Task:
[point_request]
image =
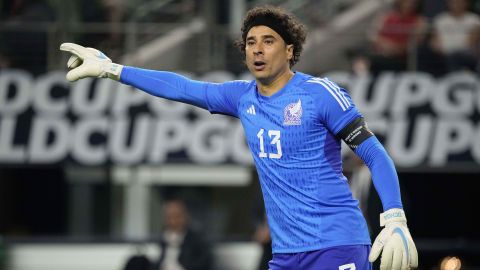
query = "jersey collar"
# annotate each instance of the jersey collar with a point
(293, 81)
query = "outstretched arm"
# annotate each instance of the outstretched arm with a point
(89, 62)
(167, 85)
(215, 97)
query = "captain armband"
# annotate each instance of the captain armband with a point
(355, 133)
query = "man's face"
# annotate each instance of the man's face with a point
(458, 6)
(267, 55)
(175, 216)
(408, 5)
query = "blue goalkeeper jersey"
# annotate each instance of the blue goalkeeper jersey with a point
(291, 135)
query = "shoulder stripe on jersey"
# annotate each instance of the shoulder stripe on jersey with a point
(339, 91)
(330, 90)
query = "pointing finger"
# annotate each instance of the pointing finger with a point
(75, 49)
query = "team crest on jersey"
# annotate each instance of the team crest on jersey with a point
(292, 114)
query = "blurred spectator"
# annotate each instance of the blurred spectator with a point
(114, 16)
(21, 46)
(182, 247)
(393, 33)
(139, 261)
(456, 36)
(359, 60)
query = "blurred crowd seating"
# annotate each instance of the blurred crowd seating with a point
(31, 30)
(435, 37)
(431, 36)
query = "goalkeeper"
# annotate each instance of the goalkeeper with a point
(293, 124)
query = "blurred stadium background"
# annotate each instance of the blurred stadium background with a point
(86, 167)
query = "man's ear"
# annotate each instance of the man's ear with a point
(290, 51)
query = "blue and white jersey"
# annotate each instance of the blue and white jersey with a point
(291, 135)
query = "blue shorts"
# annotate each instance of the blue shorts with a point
(353, 257)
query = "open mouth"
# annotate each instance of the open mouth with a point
(259, 65)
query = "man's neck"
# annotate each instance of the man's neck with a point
(270, 88)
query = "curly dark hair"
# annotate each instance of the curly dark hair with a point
(295, 30)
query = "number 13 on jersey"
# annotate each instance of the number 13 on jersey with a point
(274, 136)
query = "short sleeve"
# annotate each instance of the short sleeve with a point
(335, 107)
(224, 98)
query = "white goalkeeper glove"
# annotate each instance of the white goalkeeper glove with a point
(399, 251)
(89, 62)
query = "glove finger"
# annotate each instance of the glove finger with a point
(387, 257)
(73, 75)
(75, 49)
(377, 246)
(413, 263)
(78, 73)
(399, 262)
(73, 62)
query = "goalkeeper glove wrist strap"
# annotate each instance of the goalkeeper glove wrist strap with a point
(392, 215)
(112, 71)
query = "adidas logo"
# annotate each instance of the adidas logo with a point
(251, 110)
